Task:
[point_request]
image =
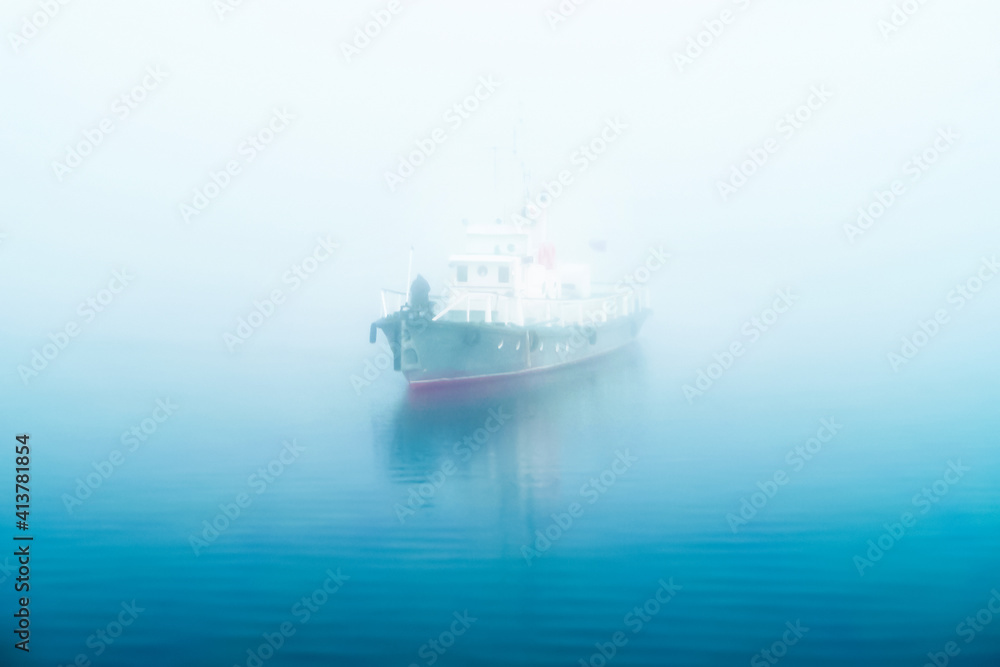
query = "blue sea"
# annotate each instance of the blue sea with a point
(195, 508)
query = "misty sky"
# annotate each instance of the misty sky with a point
(686, 125)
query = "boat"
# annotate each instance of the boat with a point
(507, 308)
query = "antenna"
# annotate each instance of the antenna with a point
(409, 271)
(525, 175)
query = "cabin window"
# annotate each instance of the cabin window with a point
(503, 274)
(482, 271)
(463, 274)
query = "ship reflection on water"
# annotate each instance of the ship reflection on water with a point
(506, 445)
(477, 471)
(508, 429)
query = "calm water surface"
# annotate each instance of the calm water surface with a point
(538, 535)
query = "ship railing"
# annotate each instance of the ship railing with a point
(633, 297)
(488, 302)
(519, 310)
(392, 301)
(568, 312)
(485, 302)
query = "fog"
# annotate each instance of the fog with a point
(353, 115)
